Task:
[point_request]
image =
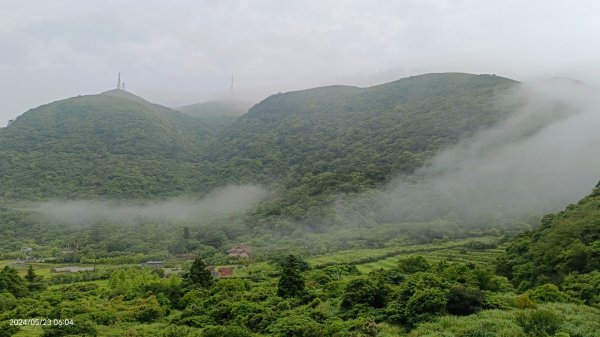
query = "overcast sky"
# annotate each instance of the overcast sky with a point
(183, 52)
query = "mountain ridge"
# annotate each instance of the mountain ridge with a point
(317, 142)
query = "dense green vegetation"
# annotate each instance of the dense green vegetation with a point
(319, 142)
(564, 250)
(310, 273)
(370, 132)
(306, 145)
(110, 145)
(287, 297)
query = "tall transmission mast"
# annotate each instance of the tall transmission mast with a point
(119, 81)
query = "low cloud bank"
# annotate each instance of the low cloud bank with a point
(542, 157)
(226, 201)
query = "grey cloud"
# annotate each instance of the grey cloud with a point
(184, 52)
(229, 200)
(538, 160)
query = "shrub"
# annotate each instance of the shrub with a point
(539, 322)
(82, 327)
(295, 326)
(464, 300)
(424, 305)
(181, 331)
(229, 331)
(479, 333)
(361, 290)
(148, 310)
(546, 293)
(7, 330)
(524, 302)
(413, 264)
(7, 301)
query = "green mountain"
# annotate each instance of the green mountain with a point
(219, 114)
(115, 122)
(308, 144)
(341, 139)
(376, 131)
(564, 248)
(216, 109)
(114, 144)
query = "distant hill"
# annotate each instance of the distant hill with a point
(215, 109)
(219, 114)
(114, 144)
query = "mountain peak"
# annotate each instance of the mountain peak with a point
(124, 94)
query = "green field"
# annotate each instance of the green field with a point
(486, 257)
(370, 259)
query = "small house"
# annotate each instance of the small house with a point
(71, 269)
(154, 264)
(239, 252)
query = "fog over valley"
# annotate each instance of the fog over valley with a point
(226, 201)
(541, 158)
(268, 168)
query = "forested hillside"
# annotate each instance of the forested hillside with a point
(114, 144)
(565, 250)
(306, 145)
(316, 143)
(348, 131)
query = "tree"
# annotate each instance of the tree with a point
(362, 290)
(424, 305)
(464, 300)
(34, 282)
(13, 283)
(186, 233)
(413, 264)
(7, 330)
(539, 322)
(30, 277)
(199, 275)
(291, 283)
(546, 293)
